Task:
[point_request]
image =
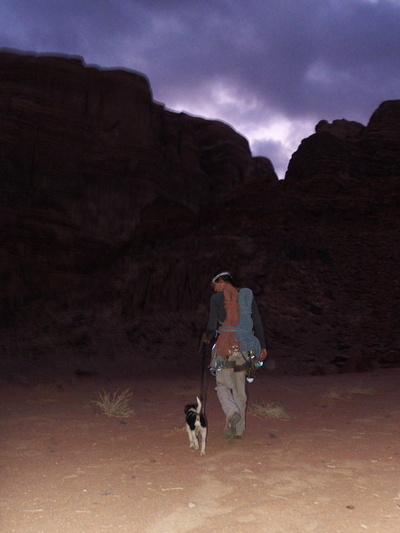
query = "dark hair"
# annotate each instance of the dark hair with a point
(226, 275)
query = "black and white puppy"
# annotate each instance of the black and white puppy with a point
(196, 425)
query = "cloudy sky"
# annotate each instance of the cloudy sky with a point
(270, 68)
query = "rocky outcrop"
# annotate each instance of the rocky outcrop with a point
(346, 150)
(332, 153)
(115, 212)
(83, 152)
(381, 143)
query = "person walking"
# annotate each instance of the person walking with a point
(235, 320)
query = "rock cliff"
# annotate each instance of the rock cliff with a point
(116, 211)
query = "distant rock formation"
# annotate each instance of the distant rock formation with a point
(347, 150)
(115, 212)
(85, 150)
(381, 143)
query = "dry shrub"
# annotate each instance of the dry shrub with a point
(115, 404)
(335, 393)
(45, 394)
(269, 410)
(340, 393)
(360, 389)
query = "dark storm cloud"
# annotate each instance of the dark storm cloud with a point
(270, 68)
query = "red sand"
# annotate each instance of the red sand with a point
(334, 466)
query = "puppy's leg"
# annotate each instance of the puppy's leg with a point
(189, 432)
(203, 433)
(195, 440)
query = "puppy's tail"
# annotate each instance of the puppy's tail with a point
(199, 405)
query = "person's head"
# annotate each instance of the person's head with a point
(221, 279)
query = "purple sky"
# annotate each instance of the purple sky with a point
(272, 69)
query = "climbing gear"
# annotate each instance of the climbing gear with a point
(244, 331)
(254, 364)
(227, 339)
(217, 362)
(236, 367)
(236, 333)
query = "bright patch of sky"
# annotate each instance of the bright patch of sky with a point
(221, 101)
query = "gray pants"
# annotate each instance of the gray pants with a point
(231, 391)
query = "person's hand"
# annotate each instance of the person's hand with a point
(204, 338)
(263, 354)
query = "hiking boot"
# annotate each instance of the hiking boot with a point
(230, 429)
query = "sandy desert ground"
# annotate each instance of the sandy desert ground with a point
(332, 466)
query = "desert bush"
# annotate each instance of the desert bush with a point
(335, 393)
(344, 392)
(360, 389)
(115, 404)
(269, 410)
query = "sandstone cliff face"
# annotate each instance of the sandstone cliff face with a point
(115, 213)
(83, 151)
(346, 150)
(381, 143)
(335, 150)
